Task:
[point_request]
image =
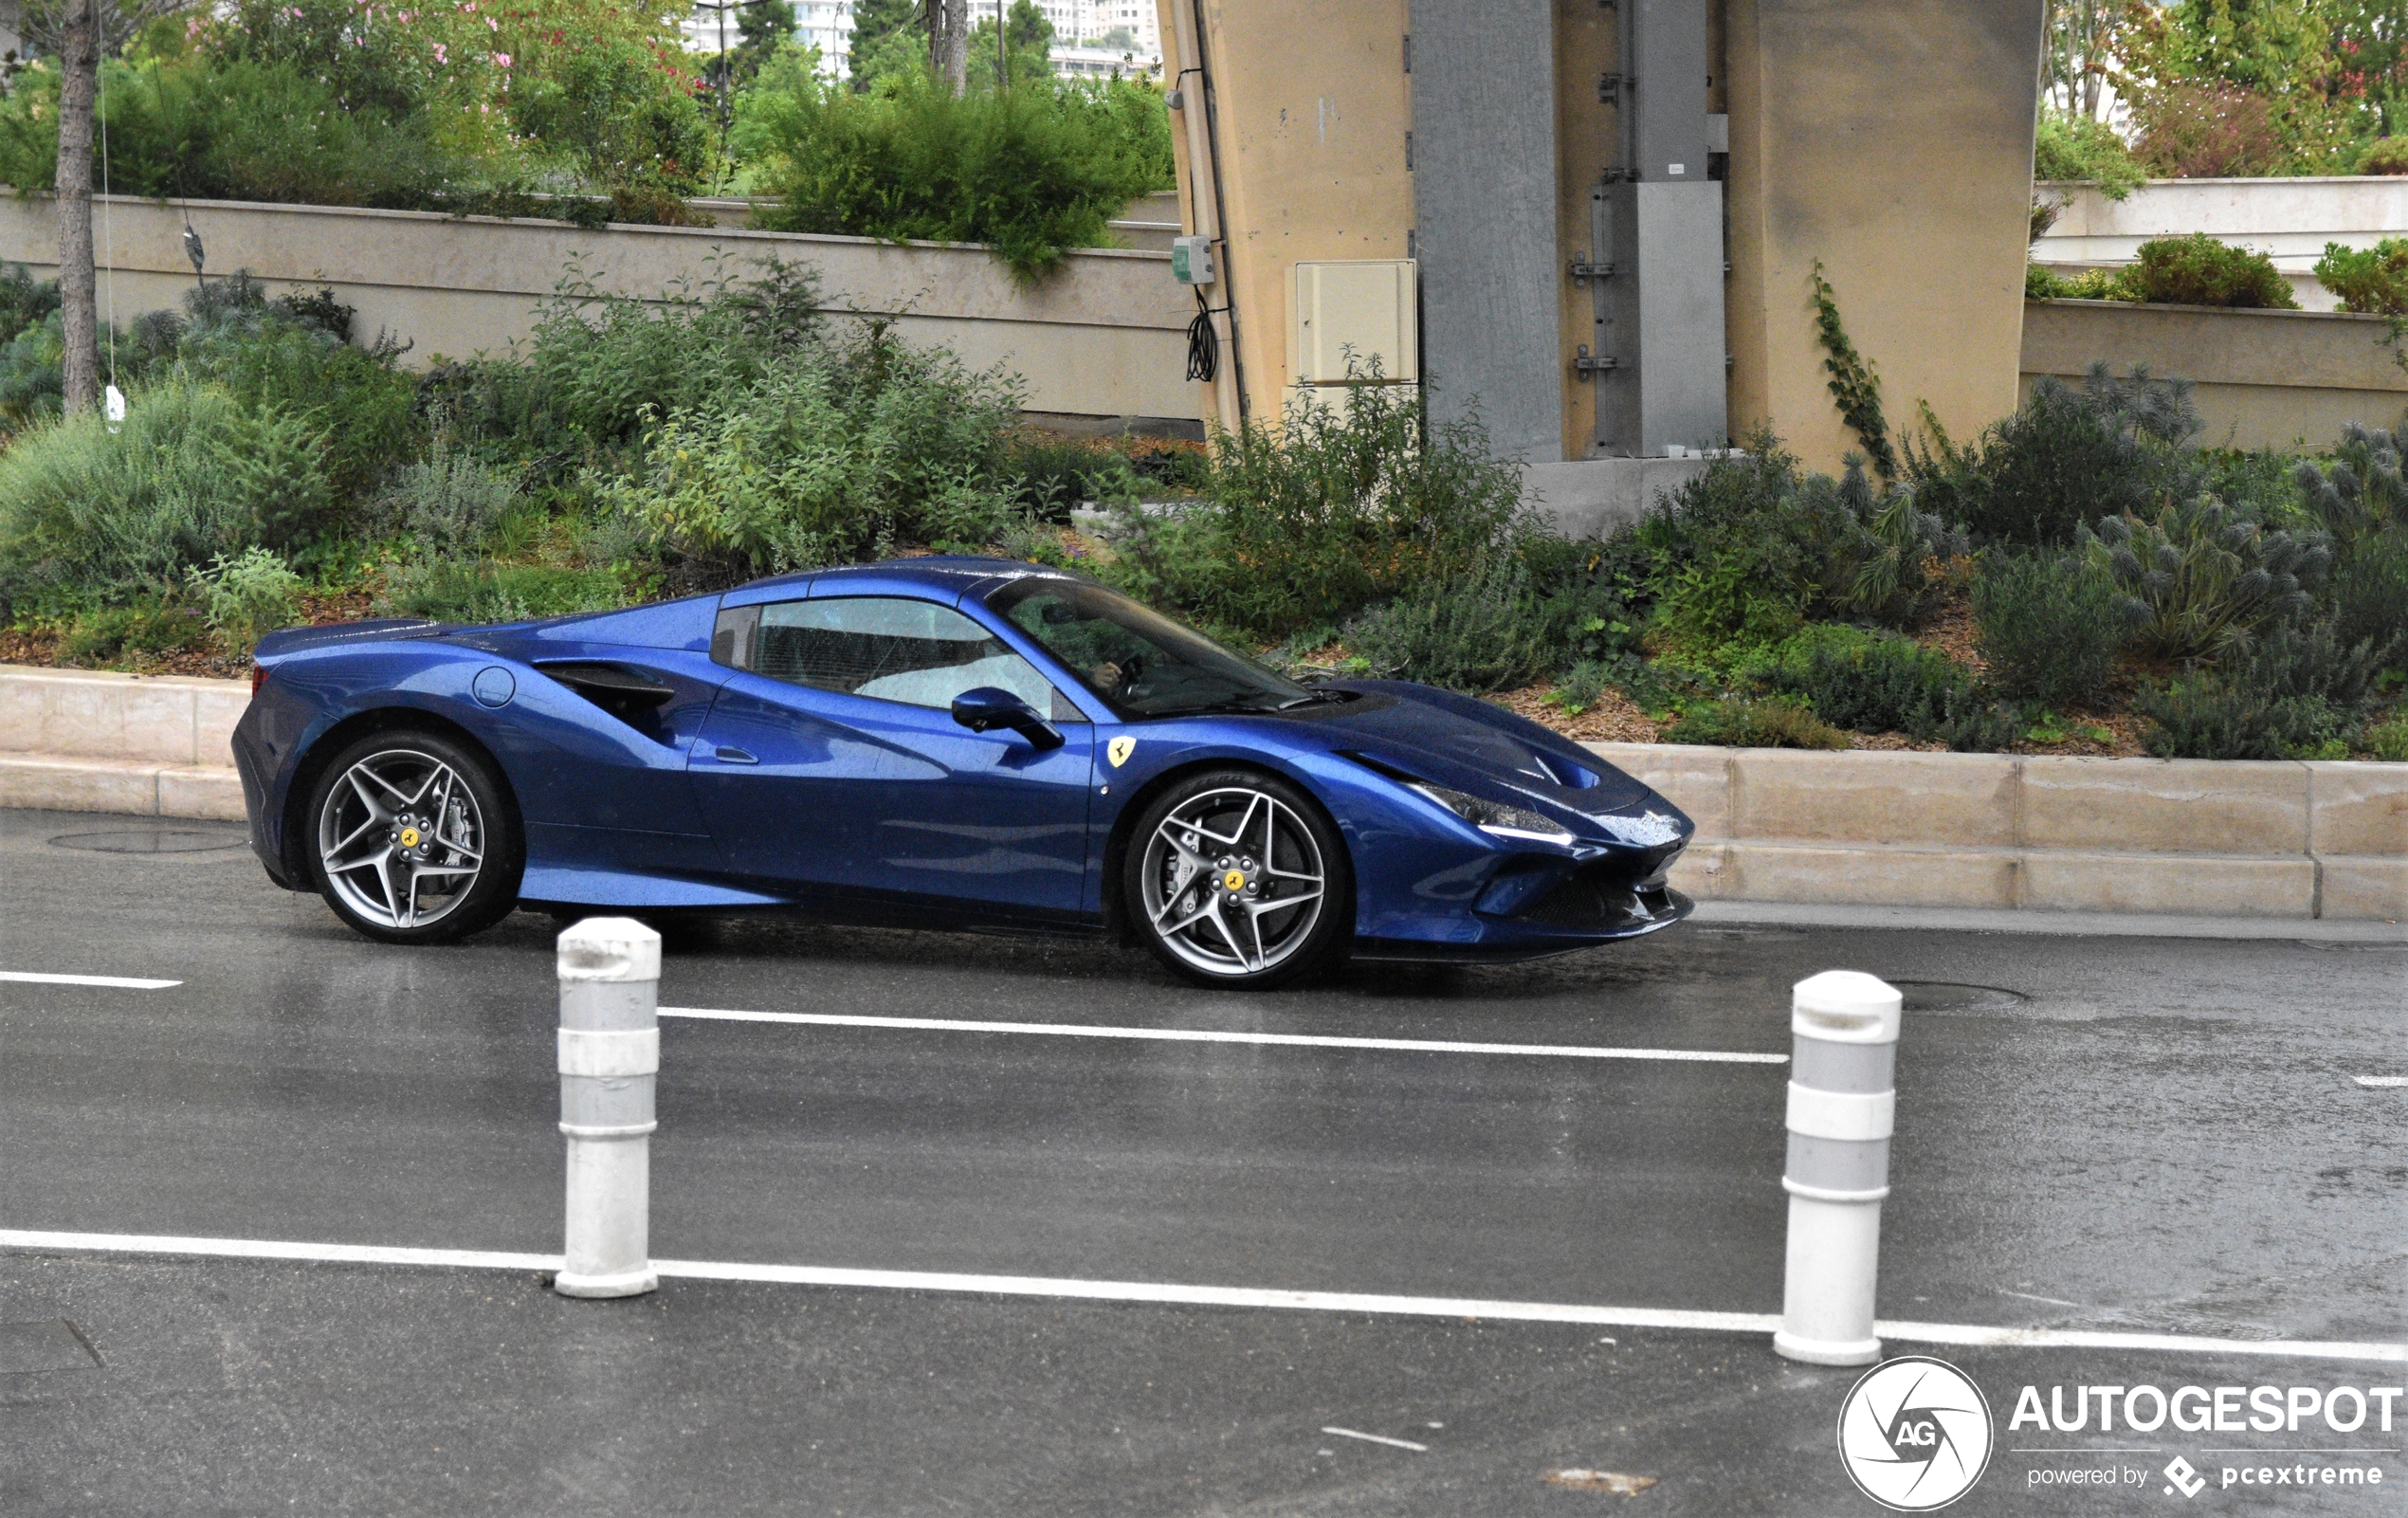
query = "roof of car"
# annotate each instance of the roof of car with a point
(938, 571)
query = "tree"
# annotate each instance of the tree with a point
(77, 33)
(762, 26)
(1029, 46)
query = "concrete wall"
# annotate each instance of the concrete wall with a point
(1891, 139)
(1104, 337)
(2290, 220)
(2265, 378)
(1310, 112)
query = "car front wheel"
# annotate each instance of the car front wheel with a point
(1236, 878)
(412, 839)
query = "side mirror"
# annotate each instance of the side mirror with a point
(991, 706)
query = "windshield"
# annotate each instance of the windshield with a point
(1141, 664)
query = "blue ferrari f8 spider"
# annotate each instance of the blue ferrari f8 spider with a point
(941, 743)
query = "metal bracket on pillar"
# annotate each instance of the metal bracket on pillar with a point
(1584, 271)
(1609, 88)
(1588, 366)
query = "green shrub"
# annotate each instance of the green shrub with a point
(190, 476)
(2389, 742)
(2065, 457)
(2294, 693)
(482, 590)
(2361, 492)
(2369, 590)
(1307, 525)
(1053, 475)
(449, 500)
(833, 454)
(1771, 721)
(2072, 149)
(2198, 270)
(2385, 155)
(1880, 683)
(24, 300)
(597, 362)
(247, 595)
(2048, 626)
(1033, 172)
(2373, 281)
(1475, 634)
(145, 626)
(2203, 580)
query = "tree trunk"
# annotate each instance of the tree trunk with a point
(957, 46)
(79, 314)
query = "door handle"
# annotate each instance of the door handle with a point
(736, 755)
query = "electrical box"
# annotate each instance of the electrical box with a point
(1358, 308)
(1192, 260)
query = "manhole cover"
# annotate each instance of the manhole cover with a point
(148, 841)
(1947, 996)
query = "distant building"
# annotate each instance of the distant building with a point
(827, 25)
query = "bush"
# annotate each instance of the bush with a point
(1053, 475)
(247, 595)
(2385, 155)
(1033, 172)
(2362, 491)
(1769, 722)
(833, 454)
(2066, 456)
(2198, 270)
(146, 625)
(88, 513)
(481, 590)
(2373, 281)
(1476, 635)
(597, 362)
(2369, 590)
(1879, 682)
(2389, 742)
(2048, 626)
(1305, 525)
(2294, 693)
(2203, 582)
(2208, 131)
(2079, 148)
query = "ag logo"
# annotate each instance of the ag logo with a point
(1914, 1433)
(1118, 750)
(2182, 1474)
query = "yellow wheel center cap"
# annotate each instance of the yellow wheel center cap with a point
(409, 837)
(1234, 880)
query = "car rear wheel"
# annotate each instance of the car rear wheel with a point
(412, 839)
(1235, 878)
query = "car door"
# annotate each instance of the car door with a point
(831, 765)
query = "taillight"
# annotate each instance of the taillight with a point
(259, 678)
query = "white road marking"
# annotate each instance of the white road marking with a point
(1378, 1438)
(1213, 1035)
(2382, 1080)
(127, 981)
(1219, 1296)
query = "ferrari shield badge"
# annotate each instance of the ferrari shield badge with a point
(1118, 750)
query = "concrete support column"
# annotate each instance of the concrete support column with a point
(1485, 215)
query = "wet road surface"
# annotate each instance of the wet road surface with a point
(2138, 1134)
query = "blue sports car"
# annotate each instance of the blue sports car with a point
(944, 742)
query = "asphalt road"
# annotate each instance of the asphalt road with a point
(2126, 1133)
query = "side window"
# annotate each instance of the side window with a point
(916, 652)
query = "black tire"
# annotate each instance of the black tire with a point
(441, 815)
(1214, 878)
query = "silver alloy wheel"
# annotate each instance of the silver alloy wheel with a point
(1232, 881)
(401, 838)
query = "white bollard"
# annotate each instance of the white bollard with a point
(610, 1055)
(1842, 1106)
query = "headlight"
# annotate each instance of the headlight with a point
(1495, 816)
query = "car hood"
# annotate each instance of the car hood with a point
(1456, 741)
(293, 640)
